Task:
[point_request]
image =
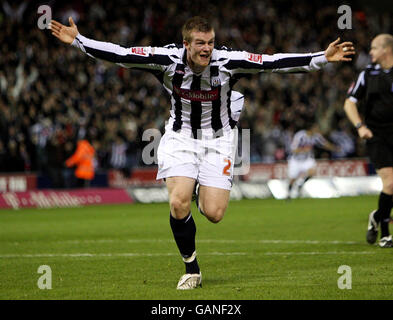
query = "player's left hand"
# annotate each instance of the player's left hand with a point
(62, 32)
(337, 51)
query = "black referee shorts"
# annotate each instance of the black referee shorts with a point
(380, 150)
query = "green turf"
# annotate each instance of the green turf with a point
(263, 249)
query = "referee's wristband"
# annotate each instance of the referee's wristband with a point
(359, 125)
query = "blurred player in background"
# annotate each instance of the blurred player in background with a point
(374, 89)
(200, 141)
(301, 161)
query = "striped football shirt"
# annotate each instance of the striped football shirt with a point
(302, 139)
(199, 101)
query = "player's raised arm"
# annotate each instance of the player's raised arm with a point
(142, 57)
(244, 62)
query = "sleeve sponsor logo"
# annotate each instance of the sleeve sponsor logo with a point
(255, 58)
(140, 51)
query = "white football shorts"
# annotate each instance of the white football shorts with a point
(299, 167)
(208, 160)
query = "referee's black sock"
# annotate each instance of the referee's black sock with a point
(184, 231)
(383, 213)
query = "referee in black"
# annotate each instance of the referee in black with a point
(373, 90)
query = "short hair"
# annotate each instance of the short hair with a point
(196, 23)
(387, 40)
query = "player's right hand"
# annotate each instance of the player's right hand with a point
(62, 32)
(365, 133)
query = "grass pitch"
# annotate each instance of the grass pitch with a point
(263, 249)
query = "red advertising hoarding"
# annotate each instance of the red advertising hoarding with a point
(17, 182)
(325, 168)
(258, 172)
(65, 198)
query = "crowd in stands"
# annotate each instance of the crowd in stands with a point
(52, 95)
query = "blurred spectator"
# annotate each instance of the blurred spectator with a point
(118, 158)
(15, 11)
(132, 153)
(343, 138)
(55, 153)
(68, 173)
(13, 161)
(3, 156)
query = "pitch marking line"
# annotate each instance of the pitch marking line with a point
(199, 241)
(131, 254)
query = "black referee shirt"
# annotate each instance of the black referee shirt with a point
(374, 89)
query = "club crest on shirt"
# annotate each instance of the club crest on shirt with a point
(215, 82)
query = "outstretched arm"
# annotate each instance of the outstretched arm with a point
(241, 62)
(331, 147)
(153, 59)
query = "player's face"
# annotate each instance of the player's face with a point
(200, 49)
(377, 50)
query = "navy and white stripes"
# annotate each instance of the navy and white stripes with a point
(199, 101)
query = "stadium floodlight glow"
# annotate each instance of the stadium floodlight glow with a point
(354, 186)
(279, 188)
(320, 188)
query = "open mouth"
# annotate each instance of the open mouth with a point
(205, 56)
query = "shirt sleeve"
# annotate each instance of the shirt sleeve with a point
(319, 140)
(357, 90)
(295, 142)
(245, 62)
(153, 58)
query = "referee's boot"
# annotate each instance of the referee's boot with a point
(386, 242)
(372, 228)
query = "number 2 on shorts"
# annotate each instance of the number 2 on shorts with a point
(226, 169)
